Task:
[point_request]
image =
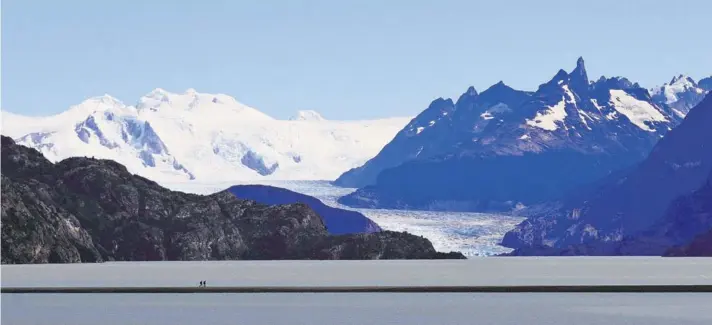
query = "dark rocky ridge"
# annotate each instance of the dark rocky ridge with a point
(337, 221)
(89, 210)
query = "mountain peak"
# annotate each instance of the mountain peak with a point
(105, 99)
(307, 115)
(104, 103)
(498, 87)
(157, 92)
(558, 78)
(560, 75)
(579, 77)
(580, 69)
(467, 95)
(99, 103)
(683, 80)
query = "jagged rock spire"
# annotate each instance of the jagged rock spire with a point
(579, 74)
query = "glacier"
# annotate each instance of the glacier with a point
(473, 234)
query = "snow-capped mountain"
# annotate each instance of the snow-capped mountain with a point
(198, 136)
(640, 211)
(681, 94)
(503, 147)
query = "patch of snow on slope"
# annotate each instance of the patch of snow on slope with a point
(569, 94)
(678, 112)
(547, 120)
(486, 116)
(638, 112)
(583, 116)
(595, 104)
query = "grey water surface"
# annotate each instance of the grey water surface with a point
(358, 308)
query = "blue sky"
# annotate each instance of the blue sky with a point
(346, 59)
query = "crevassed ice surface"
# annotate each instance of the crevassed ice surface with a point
(473, 234)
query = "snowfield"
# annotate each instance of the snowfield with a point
(637, 111)
(473, 234)
(203, 137)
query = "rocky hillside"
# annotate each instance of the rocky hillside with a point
(662, 202)
(337, 221)
(90, 210)
(701, 245)
(503, 148)
(685, 230)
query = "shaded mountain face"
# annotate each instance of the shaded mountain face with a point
(504, 148)
(684, 229)
(440, 129)
(90, 210)
(700, 246)
(337, 221)
(626, 215)
(706, 84)
(681, 94)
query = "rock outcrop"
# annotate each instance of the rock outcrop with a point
(337, 221)
(90, 210)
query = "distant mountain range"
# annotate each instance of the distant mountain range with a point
(205, 137)
(602, 167)
(657, 207)
(504, 149)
